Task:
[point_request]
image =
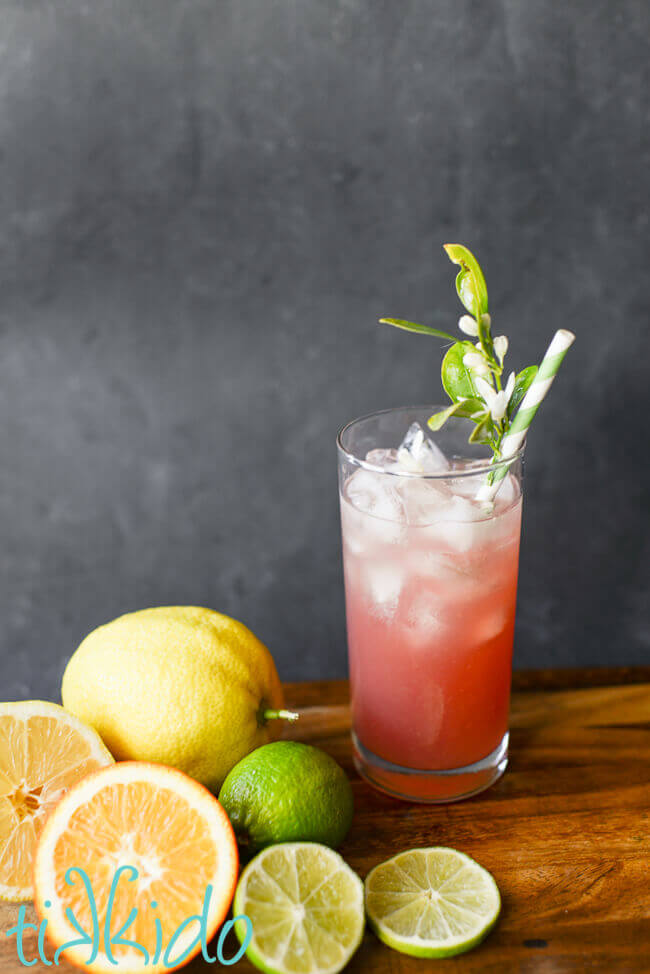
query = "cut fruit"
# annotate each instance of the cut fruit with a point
(166, 826)
(306, 909)
(44, 750)
(431, 902)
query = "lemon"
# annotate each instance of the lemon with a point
(180, 685)
(285, 792)
(431, 902)
(305, 907)
(43, 752)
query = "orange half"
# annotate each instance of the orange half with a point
(44, 750)
(167, 827)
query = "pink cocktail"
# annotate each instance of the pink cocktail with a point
(431, 585)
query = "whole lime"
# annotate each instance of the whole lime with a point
(288, 792)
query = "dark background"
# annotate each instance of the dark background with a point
(205, 207)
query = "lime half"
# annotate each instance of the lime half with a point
(306, 909)
(431, 902)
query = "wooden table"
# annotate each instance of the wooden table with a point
(566, 832)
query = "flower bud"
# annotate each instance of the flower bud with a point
(500, 347)
(476, 363)
(468, 325)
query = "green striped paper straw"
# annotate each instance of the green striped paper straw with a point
(512, 441)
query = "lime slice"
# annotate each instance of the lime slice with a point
(431, 902)
(306, 909)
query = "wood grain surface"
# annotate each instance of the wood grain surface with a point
(566, 832)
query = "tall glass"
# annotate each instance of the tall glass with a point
(431, 587)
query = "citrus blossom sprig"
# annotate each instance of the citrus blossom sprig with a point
(472, 371)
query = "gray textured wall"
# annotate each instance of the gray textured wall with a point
(206, 205)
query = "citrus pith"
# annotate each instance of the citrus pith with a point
(43, 751)
(305, 905)
(434, 902)
(152, 820)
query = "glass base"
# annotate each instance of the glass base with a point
(415, 785)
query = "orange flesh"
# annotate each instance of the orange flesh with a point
(175, 857)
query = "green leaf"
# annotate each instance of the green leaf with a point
(485, 337)
(470, 283)
(456, 377)
(481, 432)
(438, 420)
(464, 408)
(469, 407)
(522, 384)
(421, 329)
(466, 292)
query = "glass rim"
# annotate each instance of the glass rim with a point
(480, 468)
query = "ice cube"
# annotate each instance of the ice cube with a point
(370, 493)
(477, 488)
(386, 459)
(419, 454)
(422, 499)
(438, 566)
(466, 486)
(423, 620)
(492, 622)
(459, 524)
(384, 581)
(352, 529)
(507, 494)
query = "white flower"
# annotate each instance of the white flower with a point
(500, 347)
(497, 402)
(468, 325)
(476, 363)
